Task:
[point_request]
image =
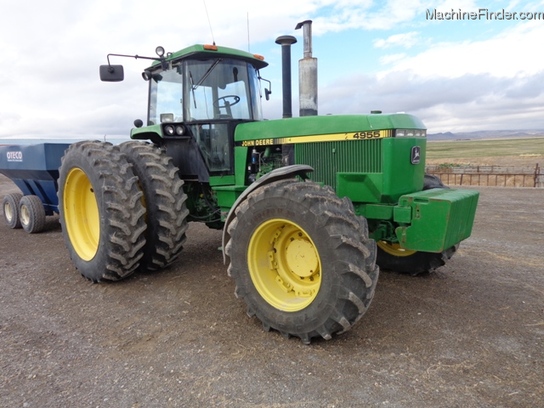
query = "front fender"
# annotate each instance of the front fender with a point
(275, 175)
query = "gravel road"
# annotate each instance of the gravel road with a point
(469, 335)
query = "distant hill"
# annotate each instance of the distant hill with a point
(486, 134)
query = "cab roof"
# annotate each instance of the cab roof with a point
(198, 51)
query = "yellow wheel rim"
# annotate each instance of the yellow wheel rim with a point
(81, 214)
(284, 265)
(394, 249)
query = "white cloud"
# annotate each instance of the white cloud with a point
(51, 52)
(469, 102)
(406, 40)
(392, 59)
(510, 53)
(365, 15)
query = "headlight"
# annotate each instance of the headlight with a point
(174, 130)
(410, 133)
(420, 133)
(180, 130)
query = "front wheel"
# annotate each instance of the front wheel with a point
(301, 260)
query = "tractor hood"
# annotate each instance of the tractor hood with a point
(340, 127)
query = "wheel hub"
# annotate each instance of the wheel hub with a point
(301, 258)
(8, 212)
(284, 265)
(394, 249)
(25, 215)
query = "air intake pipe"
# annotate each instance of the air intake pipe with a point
(286, 41)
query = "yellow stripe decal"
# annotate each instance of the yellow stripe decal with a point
(334, 137)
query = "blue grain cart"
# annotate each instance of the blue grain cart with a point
(35, 170)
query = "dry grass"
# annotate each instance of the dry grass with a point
(499, 152)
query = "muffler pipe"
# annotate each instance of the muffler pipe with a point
(307, 68)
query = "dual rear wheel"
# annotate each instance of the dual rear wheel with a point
(109, 218)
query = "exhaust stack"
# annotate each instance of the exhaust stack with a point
(286, 41)
(307, 71)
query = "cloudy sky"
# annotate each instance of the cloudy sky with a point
(458, 65)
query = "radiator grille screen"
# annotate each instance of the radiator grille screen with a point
(329, 158)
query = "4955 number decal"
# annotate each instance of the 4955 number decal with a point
(331, 137)
(369, 134)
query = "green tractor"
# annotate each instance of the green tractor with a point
(309, 206)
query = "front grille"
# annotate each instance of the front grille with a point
(329, 158)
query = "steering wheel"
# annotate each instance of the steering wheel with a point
(226, 103)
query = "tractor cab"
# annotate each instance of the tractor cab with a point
(197, 97)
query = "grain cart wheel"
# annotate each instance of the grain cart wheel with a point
(301, 260)
(10, 205)
(101, 211)
(32, 214)
(394, 258)
(166, 212)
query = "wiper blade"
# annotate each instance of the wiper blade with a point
(206, 74)
(193, 87)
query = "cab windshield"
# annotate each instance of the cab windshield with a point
(205, 90)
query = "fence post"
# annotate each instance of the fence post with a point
(537, 174)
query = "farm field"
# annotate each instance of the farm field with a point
(498, 152)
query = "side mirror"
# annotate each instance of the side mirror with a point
(111, 73)
(267, 91)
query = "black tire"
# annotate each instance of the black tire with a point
(32, 214)
(165, 202)
(10, 207)
(431, 181)
(392, 258)
(101, 211)
(329, 287)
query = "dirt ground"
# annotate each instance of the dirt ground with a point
(469, 335)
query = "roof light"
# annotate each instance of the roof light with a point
(146, 75)
(259, 57)
(210, 47)
(160, 51)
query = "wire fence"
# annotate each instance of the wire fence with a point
(499, 176)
